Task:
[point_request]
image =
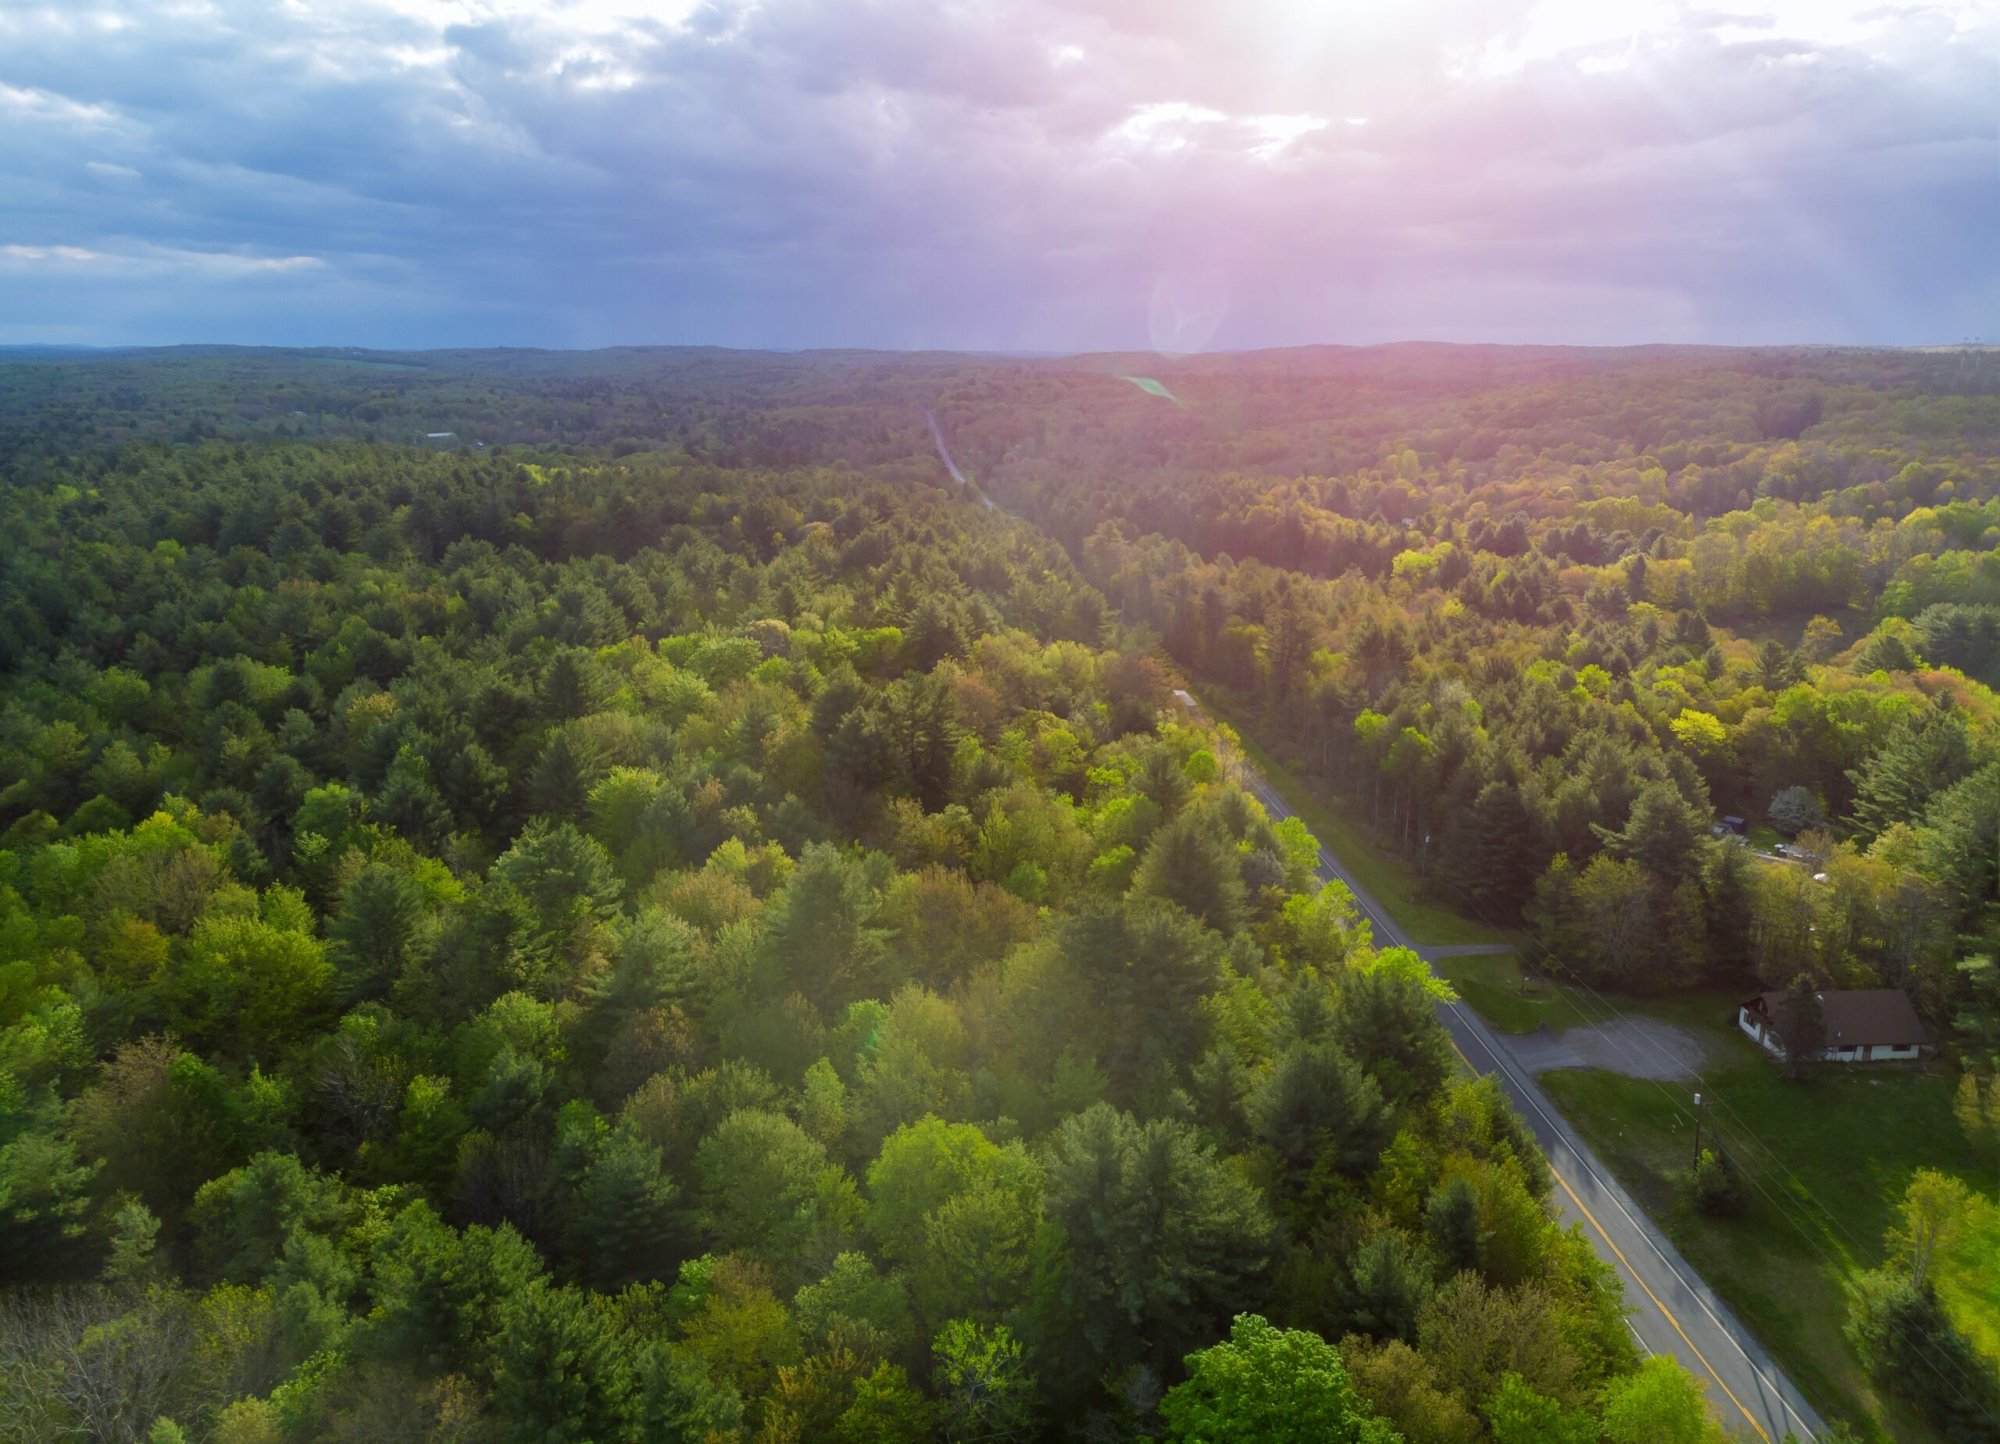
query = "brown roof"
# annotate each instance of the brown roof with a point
(1862, 1016)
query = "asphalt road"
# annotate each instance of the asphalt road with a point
(1671, 1310)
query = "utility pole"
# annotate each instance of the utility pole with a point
(1696, 1165)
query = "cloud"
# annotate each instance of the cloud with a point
(27, 105)
(50, 255)
(151, 260)
(1043, 174)
(1166, 125)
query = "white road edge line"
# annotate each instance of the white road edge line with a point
(1511, 1070)
(1270, 797)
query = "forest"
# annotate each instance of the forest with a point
(605, 896)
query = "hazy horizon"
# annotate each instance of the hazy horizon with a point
(420, 348)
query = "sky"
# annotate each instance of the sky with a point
(1037, 175)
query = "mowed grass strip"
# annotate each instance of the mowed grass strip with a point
(1497, 989)
(1390, 880)
(1827, 1160)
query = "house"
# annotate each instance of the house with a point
(1863, 1025)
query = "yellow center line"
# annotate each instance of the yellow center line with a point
(1665, 1312)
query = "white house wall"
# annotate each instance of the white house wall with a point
(1767, 1039)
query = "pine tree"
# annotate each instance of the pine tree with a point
(1662, 834)
(1924, 755)
(1488, 855)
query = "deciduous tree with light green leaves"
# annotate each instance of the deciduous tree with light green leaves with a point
(1661, 1404)
(1277, 1386)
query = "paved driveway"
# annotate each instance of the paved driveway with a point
(1671, 1309)
(1636, 1047)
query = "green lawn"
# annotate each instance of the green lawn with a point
(1507, 998)
(1390, 880)
(1970, 1283)
(1828, 1159)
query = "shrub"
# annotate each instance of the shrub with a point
(1716, 1187)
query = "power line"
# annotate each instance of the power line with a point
(1964, 1371)
(1267, 795)
(1957, 1385)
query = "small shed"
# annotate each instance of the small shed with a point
(1863, 1025)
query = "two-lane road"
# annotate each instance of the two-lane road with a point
(1672, 1310)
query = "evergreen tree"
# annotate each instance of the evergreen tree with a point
(626, 1223)
(1188, 863)
(1663, 834)
(1160, 1240)
(563, 1369)
(1801, 1024)
(1451, 1226)
(1317, 1109)
(1922, 757)
(1488, 854)
(1388, 1021)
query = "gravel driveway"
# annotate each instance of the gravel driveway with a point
(1636, 1047)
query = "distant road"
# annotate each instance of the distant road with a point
(1672, 1310)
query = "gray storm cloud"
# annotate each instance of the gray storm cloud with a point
(1044, 176)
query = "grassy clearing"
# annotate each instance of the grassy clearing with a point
(1969, 1281)
(1388, 879)
(1506, 997)
(1828, 1160)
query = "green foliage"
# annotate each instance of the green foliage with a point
(985, 1385)
(1516, 1414)
(44, 1200)
(1800, 1022)
(245, 1220)
(1270, 1384)
(1187, 864)
(959, 1212)
(443, 892)
(1317, 1110)
(1662, 1402)
(852, 1296)
(627, 1223)
(1662, 834)
(1716, 1186)
(439, 1292)
(247, 987)
(376, 933)
(563, 1371)
(1389, 1282)
(1928, 752)
(1905, 1339)
(769, 1189)
(678, 1398)
(1143, 969)
(1125, 1195)
(1386, 1016)
(1452, 1227)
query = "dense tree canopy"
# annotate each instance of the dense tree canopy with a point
(658, 920)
